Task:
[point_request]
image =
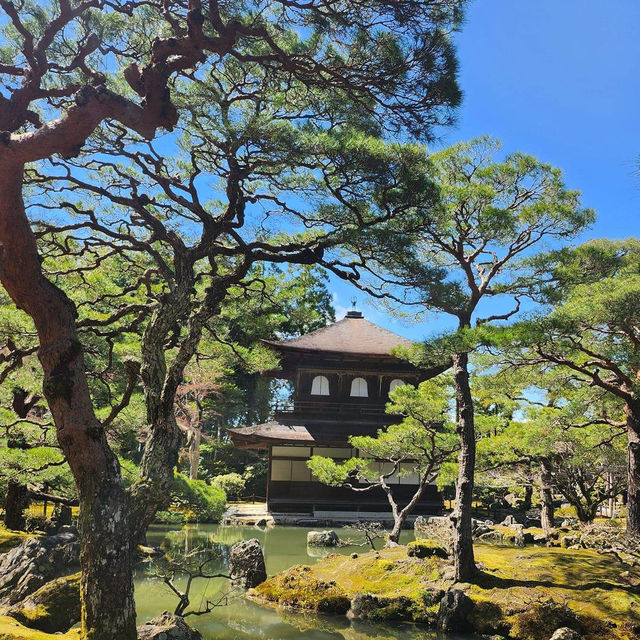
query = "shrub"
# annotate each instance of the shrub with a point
(199, 501)
(231, 483)
(170, 517)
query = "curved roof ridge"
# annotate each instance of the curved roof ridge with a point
(351, 334)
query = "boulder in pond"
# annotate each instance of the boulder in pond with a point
(246, 564)
(167, 626)
(323, 539)
(53, 608)
(454, 611)
(34, 562)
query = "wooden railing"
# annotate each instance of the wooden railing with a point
(313, 406)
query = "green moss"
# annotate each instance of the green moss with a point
(424, 548)
(10, 539)
(296, 587)
(398, 584)
(53, 608)
(592, 587)
(515, 588)
(11, 629)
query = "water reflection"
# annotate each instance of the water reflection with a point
(241, 619)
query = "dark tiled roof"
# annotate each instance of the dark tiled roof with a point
(352, 334)
(259, 435)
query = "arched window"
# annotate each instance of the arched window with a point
(395, 384)
(359, 388)
(320, 386)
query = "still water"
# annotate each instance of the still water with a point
(240, 619)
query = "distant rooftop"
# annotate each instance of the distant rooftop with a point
(352, 334)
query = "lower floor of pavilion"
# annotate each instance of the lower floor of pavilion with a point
(293, 490)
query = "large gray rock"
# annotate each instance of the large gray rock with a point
(323, 539)
(454, 610)
(35, 561)
(53, 608)
(167, 627)
(564, 633)
(246, 564)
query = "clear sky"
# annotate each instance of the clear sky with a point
(559, 79)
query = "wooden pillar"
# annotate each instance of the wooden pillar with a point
(268, 477)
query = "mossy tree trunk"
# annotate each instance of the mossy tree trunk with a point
(16, 502)
(464, 561)
(632, 411)
(546, 496)
(528, 497)
(151, 491)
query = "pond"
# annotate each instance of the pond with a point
(241, 619)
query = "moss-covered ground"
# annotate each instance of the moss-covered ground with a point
(526, 593)
(9, 539)
(10, 629)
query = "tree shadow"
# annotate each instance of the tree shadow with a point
(575, 574)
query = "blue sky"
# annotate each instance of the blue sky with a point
(559, 79)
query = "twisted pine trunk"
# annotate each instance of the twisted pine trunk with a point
(546, 496)
(16, 502)
(464, 561)
(152, 489)
(632, 411)
(107, 587)
(528, 497)
(400, 516)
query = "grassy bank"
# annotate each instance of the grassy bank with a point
(523, 593)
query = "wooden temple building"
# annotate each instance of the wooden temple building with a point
(342, 375)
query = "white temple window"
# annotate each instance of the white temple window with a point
(395, 384)
(359, 388)
(320, 386)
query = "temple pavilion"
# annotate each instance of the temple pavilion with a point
(341, 375)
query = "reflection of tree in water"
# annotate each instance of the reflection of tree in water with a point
(341, 628)
(190, 538)
(180, 569)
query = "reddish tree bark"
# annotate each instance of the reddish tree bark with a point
(108, 608)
